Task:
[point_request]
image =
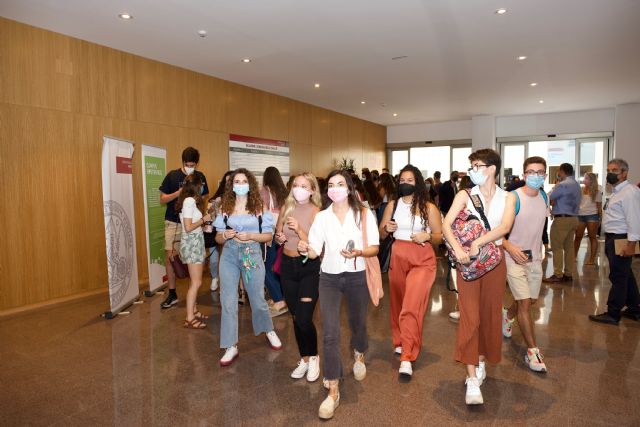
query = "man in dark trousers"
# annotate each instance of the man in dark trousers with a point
(621, 222)
(447, 192)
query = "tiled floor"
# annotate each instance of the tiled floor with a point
(66, 366)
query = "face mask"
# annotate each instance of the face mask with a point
(301, 194)
(201, 190)
(405, 189)
(428, 185)
(337, 194)
(477, 177)
(559, 178)
(455, 178)
(241, 189)
(534, 182)
(612, 178)
(189, 171)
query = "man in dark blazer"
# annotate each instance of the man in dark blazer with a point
(447, 192)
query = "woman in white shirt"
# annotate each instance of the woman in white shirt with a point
(339, 230)
(416, 224)
(589, 216)
(480, 301)
(191, 205)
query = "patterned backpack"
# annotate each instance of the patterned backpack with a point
(467, 227)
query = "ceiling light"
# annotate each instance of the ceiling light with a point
(396, 58)
(522, 58)
(363, 102)
(202, 33)
(246, 60)
(317, 85)
(395, 114)
(541, 101)
(125, 16)
(534, 84)
(501, 11)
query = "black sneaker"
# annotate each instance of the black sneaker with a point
(604, 318)
(169, 302)
(630, 315)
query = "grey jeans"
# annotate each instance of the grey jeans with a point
(332, 287)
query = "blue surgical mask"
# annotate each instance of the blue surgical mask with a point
(241, 189)
(477, 177)
(535, 182)
(202, 190)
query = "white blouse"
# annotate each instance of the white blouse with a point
(496, 209)
(190, 210)
(327, 231)
(408, 224)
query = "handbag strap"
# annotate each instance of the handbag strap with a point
(477, 204)
(363, 220)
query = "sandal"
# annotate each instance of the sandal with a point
(194, 324)
(200, 316)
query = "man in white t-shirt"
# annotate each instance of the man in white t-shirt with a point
(524, 257)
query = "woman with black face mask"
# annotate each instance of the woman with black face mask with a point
(416, 225)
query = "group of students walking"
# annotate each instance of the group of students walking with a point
(324, 255)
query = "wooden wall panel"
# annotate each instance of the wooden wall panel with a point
(274, 116)
(59, 96)
(35, 66)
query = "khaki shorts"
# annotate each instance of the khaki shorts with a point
(524, 280)
(172, 232)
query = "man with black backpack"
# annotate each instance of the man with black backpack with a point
(524, 257)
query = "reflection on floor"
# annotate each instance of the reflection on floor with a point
(65, 365)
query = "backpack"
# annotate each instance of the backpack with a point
(466, 228)
(542, 193)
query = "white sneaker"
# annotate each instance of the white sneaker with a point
(507, 329)
(301, 370)
(274, 341)
(481, 372)
(313, 373)
(230, 355)
(454, 315)
(474, 395)
(535, 360)
(398, 350)
(405, 368)
(328, 407)
(359, 368)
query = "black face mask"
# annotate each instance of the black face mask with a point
(454, 178)
(612, 178)
(405, 189)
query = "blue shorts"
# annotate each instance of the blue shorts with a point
(589, 218)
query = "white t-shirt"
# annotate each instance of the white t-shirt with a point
(407, 223)
(588, 205)
(327, 231)
(496, 209)
(190, 210)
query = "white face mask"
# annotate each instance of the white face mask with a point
(189, 171)
(477, 177)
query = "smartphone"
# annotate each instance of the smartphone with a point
(350, 246)
(528, 253)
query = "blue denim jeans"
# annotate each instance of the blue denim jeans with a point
(232, 264)
(272, 281)
(213, 261)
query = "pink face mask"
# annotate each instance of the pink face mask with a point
(301, 194)
(337, 194)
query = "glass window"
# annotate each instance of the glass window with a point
(512, 159)
(431, 159)
(592, 160)
(556, 153)
(460, 160)
(399, 159)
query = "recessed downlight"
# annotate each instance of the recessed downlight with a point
(541, 101)
(202, 33)
(246, 60)
(533, 84)
(521, 58)
(125, 16)
(501, 11)
(316, 85)
(395, 114)
(363, 102)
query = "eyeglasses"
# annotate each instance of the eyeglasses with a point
(535, 173)
(476, 167)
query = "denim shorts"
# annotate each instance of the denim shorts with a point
(589, 218)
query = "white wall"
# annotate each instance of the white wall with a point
(442, 131)
(627, 138)
(483, 131)
(556, 123)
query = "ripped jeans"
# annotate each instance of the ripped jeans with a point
(300, 285)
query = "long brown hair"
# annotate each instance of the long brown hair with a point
(272, 180)
(355, 204)
(191, 188)
(388, 185)
(421, 197)
(254, 201)
(592, 190)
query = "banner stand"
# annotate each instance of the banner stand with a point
(159, 290)
(113, 314)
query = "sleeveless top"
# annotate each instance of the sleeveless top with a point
(527, 227)
(496, 209)
(407, 223)
(303, 213)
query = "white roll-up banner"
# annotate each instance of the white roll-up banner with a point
(119, 225)
(154, 161)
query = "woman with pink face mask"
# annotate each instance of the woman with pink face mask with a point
(299, 276)
(339, 230)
